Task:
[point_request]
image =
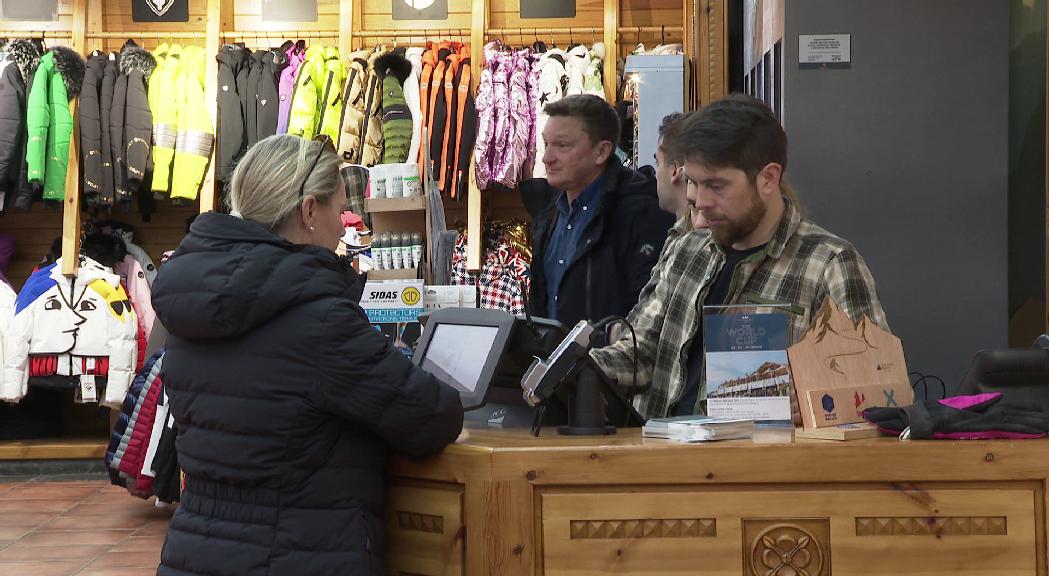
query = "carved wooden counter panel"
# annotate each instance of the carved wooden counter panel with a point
(505, 503)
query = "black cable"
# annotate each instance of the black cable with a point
(924, 380)
(606, 324)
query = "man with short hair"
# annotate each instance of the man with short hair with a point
(600, 228)
(759, 250)
(670, 175)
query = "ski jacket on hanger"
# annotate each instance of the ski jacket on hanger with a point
(15, 190)
(593, 76)
(314, 107)
(49, 121)
(296, 54)
(195, 129)
(266, 98)
(412, 97)
(66, 327)
(105, 108)
(351, 143)
(466, 129)
(553, 82)
(519, 115)
(486, 113)
(91, 127)
(7, 311)
(138, 291)
(287, 403)
(394, 69)
(248, 96)
(437, 118)
(137, 65)
(576, 63)
(232, 137)
(371, 134)
(428, 62)
(165, 110)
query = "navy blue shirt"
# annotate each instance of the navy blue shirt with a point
(571, 222)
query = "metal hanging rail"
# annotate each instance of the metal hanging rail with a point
(433, 32)
(140, 35)
(286, 34)
(627, 30)
(592, 30)
(36, 33)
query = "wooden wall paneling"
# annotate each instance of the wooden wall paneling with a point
(712, 52)
(71, 216)
(64, 22)
(377, 15)
(33, 232)
(507, 14)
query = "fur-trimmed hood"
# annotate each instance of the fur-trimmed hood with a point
(395, 64)
(23, 53)
(135, 58)
(70, 65)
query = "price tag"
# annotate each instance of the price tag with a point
(88, 393)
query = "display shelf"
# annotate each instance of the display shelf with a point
(53, 449)
(402, 274)
(410, 204)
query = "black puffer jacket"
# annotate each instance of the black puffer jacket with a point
(105, 108)
(15, 190)
(287, 402)
(616, 252)
(233, 136)
(136, 66)
(91, 127)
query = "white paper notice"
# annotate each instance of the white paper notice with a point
(824, 49)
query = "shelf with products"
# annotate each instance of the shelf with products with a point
(410, 204)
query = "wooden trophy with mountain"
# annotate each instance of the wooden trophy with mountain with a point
(840, 368)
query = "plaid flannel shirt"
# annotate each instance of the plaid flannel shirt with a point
(801, 265)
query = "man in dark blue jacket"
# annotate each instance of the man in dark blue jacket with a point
(600, 229)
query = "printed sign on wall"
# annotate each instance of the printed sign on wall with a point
(160, 10)
(42, 10)
(289, 10)
(420, 9)
(547, 8)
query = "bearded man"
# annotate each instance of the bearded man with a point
(749, 245)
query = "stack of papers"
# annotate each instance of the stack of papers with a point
(698, 428)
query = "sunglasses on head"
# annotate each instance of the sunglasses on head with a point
(326, 144)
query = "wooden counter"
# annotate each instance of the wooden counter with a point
(504, 503)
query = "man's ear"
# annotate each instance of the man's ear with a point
(604, 151)
(677, 177)
(769, 179)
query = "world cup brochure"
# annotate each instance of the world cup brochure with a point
(746, 370)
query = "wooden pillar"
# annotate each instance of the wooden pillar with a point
(712, 56)
(208, 194)
(71, 205)
(611, 48)
(474, 204)
(346, 26)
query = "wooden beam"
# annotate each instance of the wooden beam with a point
(611, 48)
(71, 204)
(712, 54)
(346, 22)
(474, 202)
(95, 19)
(208, 194)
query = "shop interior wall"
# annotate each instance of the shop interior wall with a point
(905, 154)
(1027, 196)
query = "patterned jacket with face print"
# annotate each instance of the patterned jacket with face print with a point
(70, 327)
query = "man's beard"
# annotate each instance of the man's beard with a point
(728, 233)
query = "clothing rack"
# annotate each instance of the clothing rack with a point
(451, 32)
(45, 34)
(498, 32)
(147, 35)
(283, 34)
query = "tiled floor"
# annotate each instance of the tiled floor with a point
(86, 528)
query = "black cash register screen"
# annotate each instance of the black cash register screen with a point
(457, 354)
